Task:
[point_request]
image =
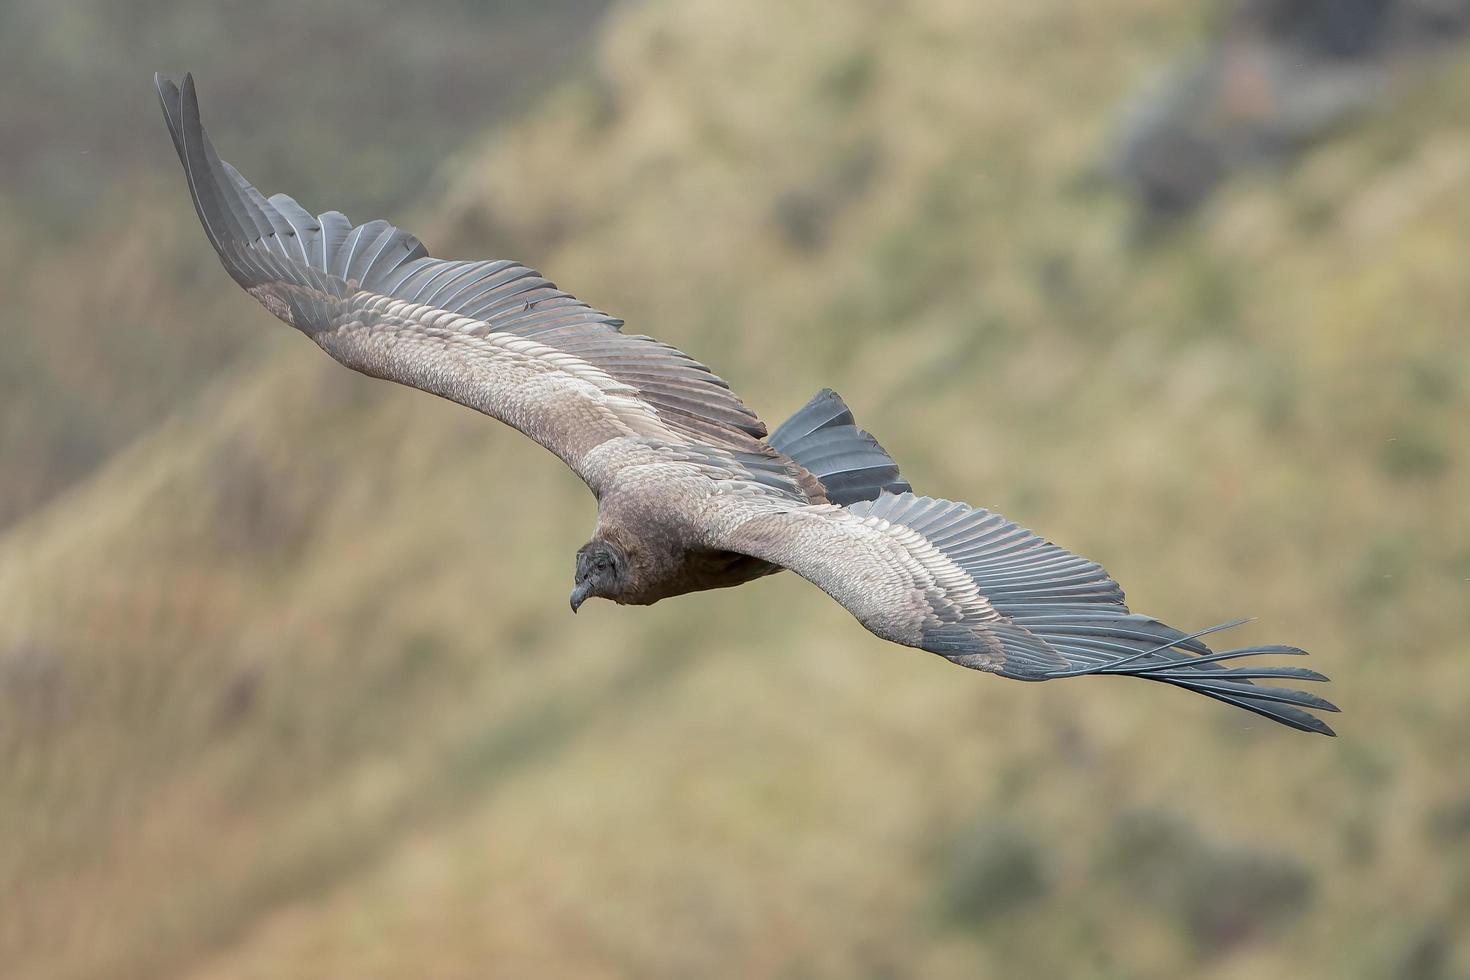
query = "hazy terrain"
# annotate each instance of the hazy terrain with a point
(288, 685)
(113, 316)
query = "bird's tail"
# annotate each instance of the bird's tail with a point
(823, 437)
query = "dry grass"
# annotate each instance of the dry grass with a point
(297, 691)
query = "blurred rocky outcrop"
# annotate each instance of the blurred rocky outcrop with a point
(1279, 74)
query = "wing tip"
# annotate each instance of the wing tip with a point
(1176, 660)
(168, 89)
(1284, 705)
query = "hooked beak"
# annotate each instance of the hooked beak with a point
(579, 595)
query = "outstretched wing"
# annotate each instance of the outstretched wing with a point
(492, 335)
(970, 585)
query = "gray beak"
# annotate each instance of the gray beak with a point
(579, 595)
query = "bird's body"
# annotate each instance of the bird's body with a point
(692, 491)
(667, 547)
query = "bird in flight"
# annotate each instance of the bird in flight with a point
(692, 491)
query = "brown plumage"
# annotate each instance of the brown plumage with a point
(691, 492)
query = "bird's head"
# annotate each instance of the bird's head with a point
(602, 570)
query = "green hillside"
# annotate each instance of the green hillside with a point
(289, 687)
(112, 314)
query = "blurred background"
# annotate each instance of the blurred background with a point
(288, 685)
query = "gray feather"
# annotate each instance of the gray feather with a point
(1053, 600)
(274, 241)
(824, 438)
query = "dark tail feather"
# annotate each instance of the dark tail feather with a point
(823, 437)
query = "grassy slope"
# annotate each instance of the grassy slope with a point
(112, 314)
(290, 689)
